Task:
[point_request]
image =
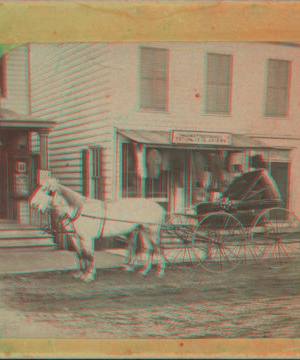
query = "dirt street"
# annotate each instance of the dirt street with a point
(251, 301)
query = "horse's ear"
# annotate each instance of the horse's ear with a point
(54, 180)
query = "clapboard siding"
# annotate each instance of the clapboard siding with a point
(69, 130)
(71, 84)
(16, 81)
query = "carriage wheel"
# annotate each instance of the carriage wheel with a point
(275, 237)
(176, 239)
(218, 239)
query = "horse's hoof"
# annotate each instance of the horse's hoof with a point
(88, 278)
(78, 275)
(159, 274)
(127, 268)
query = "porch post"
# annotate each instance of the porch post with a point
(43, 158)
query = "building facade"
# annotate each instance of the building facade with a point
(19, 160)
(169, 121)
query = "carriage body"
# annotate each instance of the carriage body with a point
(246, 222)
(245, 196)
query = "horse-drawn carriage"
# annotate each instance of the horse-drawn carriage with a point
(245, 222)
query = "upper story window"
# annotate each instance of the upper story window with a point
(2, 76)
(153, 78)
(277, 89)
(218, 84)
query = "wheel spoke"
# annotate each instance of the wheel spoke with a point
(280, 239)
(284, 251)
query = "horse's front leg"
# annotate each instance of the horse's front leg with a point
(79, 255)
(89, 275)
(79, 273)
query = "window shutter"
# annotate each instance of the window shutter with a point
(277, 87)
(218, 75)
(146, 88)
(2, 77)
(85, 172)
(160, 78)
(96, 173)
(153, 78)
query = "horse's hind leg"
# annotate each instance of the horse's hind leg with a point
(155, 240)
(134, 249)
(162, 264)
(149, 250)
(131, 252)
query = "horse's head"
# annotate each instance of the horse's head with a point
(42, 198)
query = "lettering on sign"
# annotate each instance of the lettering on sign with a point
(198, 137)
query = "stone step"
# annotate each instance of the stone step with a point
(23, 234)
(14, 234)
(13, 243)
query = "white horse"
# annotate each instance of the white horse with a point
(88, 219)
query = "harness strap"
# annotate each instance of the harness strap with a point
(78, 211)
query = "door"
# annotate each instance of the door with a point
(279, 172)
(3, 176)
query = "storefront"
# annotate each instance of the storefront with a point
(19, 161)
(181, 168)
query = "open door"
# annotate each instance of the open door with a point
(279, 172)
(3, 183)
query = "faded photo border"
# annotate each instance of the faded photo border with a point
(55, 22)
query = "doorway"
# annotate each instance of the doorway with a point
(279, 172)
(3, 183)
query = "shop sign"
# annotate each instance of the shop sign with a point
(198, 137)
(43, 176)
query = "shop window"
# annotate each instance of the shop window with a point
(3, 76)
(218, 84)
(153, 182)
(158, 188)
(153, 78)
(130, 180)
(277, 88)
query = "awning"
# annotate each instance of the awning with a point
(238, 142)
(12, 120)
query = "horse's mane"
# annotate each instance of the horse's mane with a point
(73, 198)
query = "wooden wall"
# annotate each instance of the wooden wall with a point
(71, 84)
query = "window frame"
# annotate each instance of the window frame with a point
(153, 108)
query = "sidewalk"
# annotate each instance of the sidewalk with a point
(36, 260)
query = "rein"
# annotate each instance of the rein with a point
(67, 220)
